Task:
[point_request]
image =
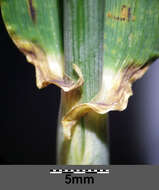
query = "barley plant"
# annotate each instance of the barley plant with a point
(93, 50)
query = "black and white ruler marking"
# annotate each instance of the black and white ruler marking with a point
(79, 171)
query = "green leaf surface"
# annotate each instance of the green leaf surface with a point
(36, 21)
(131, 34)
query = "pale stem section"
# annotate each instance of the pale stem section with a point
(89, 142)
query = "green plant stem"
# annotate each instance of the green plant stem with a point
(83, 46)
